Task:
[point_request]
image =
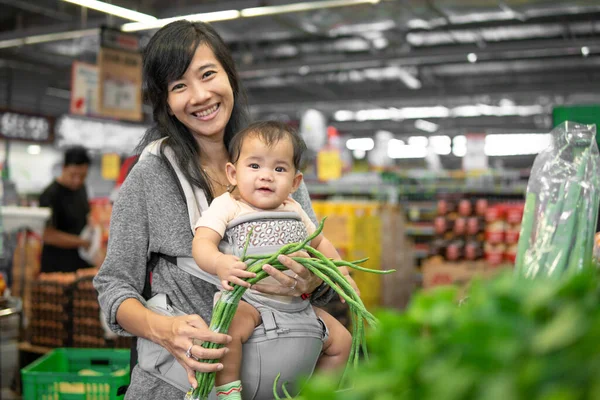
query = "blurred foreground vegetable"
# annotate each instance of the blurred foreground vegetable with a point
(511, 339)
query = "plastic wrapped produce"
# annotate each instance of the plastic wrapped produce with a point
(561, 208)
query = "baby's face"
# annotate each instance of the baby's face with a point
(265, 175)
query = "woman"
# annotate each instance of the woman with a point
(198, 105)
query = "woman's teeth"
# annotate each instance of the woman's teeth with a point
(207, 111)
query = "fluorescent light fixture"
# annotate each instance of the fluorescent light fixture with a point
(426, 126)
(364, 144)
(420, 141)
(344, 115)
(34, 149)
(459, 146)
(472, 57)
(585, 51)
(48, 37)
(298, 7)
(409, 79)
(397, 149)
(107, 8)
(441, 145)
(204, 17)
(515, 144)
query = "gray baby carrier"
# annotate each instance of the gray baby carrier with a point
(290, 338)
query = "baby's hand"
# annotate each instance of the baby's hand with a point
(346, 274)
(230, 270)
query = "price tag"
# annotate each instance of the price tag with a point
(111, 165)
(329, 165)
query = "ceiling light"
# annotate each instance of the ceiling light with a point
(472, 57)
(364, 144)
(396, 149)
(459, 146)
(516, 144)
(298, 7)
(121, 12)
(34, 149)
(426, 126)
(204, 17)
(48, 37)
(441, 145)
(420, 141)
(585, 51)
(344, 115)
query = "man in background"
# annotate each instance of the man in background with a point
(67, 198)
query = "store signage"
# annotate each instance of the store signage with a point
(475, 159)
(111, 166)
(14, 125)
(98, 134)
(120, 76)
(329, 165)
(84, 89)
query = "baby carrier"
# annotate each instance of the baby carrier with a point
(290, 338)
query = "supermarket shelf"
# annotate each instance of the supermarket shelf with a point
(418, 230)
(32, 348)
(419, 254)
(381, 190)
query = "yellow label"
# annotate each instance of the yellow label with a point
(329, 165)
(111, 165)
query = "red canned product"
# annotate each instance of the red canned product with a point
(460, 226)
(473, 226)
(465, 208)
(481, 206)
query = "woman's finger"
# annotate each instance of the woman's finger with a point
(294, 266)
(208, 354)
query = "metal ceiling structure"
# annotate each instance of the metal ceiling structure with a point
(497, 66)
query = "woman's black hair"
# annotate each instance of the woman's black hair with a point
(166, 58)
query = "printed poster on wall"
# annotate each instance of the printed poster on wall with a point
(120, 76)
(84, 89)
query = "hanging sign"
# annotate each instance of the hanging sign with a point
(84, 89)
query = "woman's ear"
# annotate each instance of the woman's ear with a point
(297, 181)
(231, 174)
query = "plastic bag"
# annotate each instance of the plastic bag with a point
(561, 207)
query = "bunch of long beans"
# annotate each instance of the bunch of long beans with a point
(323, 267)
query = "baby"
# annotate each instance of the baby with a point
(265, 159)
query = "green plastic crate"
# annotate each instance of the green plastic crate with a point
(77, 374)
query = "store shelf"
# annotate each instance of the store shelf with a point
(383, 191)
(26, 346)
(419, 230)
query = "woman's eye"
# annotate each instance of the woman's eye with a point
(279, 169)
(208, 74)
(254, 166)
(177, 87)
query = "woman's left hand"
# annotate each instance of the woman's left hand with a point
(303, 282)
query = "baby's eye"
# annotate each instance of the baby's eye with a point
(279, 169)
(254, 166)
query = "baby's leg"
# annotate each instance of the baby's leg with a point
(336, 348)
(244, 321)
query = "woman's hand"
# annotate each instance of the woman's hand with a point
(183, 337)
(303, 282)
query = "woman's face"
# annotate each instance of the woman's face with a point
(202, 99)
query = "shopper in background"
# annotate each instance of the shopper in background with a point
(198, 105)
(68, 201)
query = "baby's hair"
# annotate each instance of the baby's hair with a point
(270, 132)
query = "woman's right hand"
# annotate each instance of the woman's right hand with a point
(188, 332)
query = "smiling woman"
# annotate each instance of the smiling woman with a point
(198, 107)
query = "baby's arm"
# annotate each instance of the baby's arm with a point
(323, 245)
(227, 267)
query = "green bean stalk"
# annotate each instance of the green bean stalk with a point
(323, 267)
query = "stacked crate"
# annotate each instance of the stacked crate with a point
(50, 321)
(87, 330)
(354, 228)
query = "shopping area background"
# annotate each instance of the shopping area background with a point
(422, 123)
